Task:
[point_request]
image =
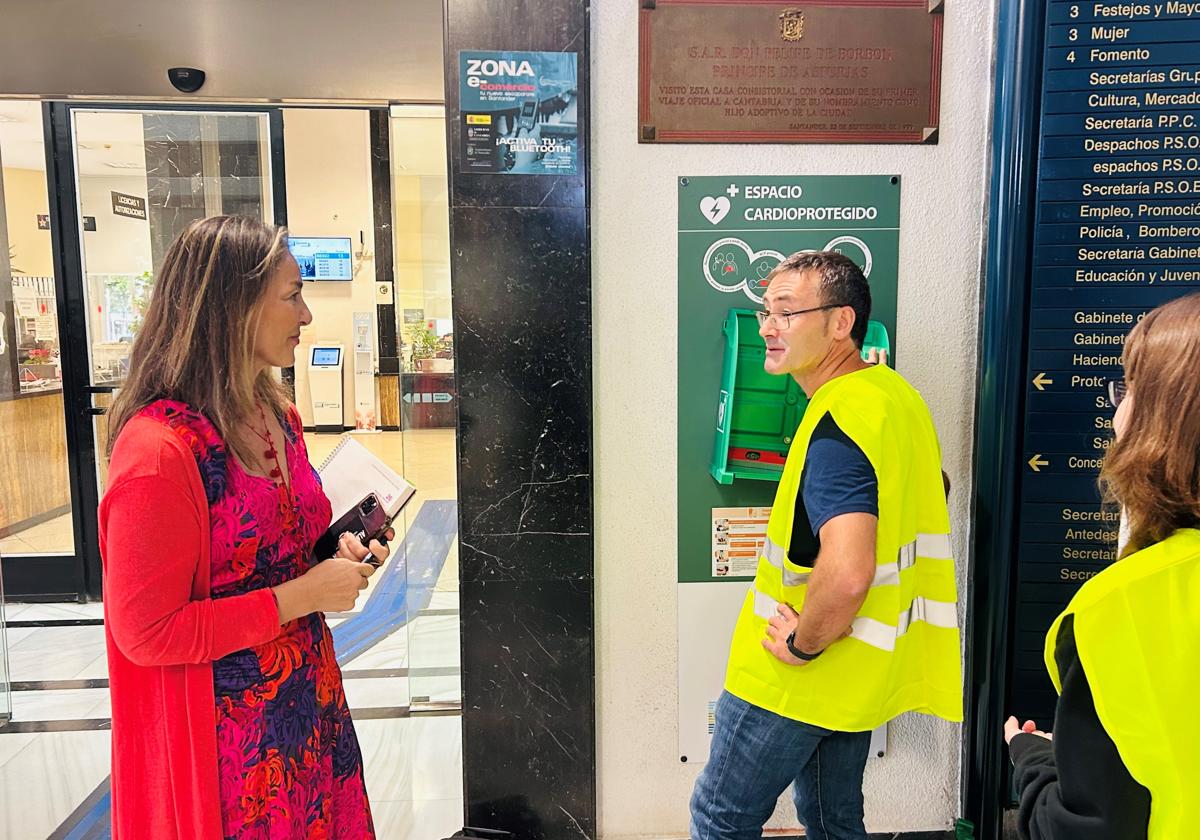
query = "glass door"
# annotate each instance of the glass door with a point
(37, 536)
(138, 178)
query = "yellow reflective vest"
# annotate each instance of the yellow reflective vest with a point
(1137, 631)
(903, 651)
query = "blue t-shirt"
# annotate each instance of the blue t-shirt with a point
(837, 479)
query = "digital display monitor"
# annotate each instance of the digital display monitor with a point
(322, 257)
(326, 355)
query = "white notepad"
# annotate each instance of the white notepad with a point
(352, 471)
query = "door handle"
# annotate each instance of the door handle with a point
(95, 412)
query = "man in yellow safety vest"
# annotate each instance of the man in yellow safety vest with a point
(852, 619)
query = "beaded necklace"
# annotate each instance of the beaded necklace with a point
(288, 509)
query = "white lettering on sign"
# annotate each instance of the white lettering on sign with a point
(785, 191)
(808, 214)
(1124, 10)
(1099, 340)
(1096, 360)
(1070, 553)
(1189, 9)
(1071, 515)
(1120, 55)
(1130, 275)
(1114, 318)
(479, 68)
(1086, 211)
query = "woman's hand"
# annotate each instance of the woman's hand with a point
(351, 547)
(330, 586)
(333, 585)
(1012, 728)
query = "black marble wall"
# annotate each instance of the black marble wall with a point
(520, 262)
(240, 161)
(176, 171)
(381, 198)
(174, 167)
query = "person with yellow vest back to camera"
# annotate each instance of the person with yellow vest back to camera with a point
(852, 618)
(1124, 762)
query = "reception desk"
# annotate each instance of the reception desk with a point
(34, 486)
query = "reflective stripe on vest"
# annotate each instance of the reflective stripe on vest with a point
(933, 546)
(876, 633)
(884, 636)
(774, 554)
(888, 574)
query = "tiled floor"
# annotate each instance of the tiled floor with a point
(51, 537)
(413, 764)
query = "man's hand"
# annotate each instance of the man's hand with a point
(1013, 729)
(778, 630)
(876, 356)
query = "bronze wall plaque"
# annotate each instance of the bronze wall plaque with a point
(749, 71)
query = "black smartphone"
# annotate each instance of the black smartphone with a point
(528, 114)
(367, 520)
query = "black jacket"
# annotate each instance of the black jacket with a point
(1076, 787)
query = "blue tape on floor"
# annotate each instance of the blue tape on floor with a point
(407, 582)
(404, 589)
(90, 820)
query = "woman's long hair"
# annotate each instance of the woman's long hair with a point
(1153, 470)
(196, 344)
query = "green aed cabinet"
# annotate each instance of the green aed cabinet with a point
(757, 412)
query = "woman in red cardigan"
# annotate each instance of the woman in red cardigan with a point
(229, 718)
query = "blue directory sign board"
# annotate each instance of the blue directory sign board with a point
(1118, 233)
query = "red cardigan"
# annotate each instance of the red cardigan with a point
(163, 632)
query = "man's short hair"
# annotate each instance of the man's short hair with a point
(841, 282)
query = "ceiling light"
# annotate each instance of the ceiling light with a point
(125, 165)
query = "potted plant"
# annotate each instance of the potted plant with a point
(424, 345)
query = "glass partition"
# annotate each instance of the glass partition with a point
(5, 681)
(142, 177)
(35, 516)
(428, 395)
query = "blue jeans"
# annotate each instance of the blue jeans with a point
(756, 754)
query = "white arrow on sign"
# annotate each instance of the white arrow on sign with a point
(1037, 463)
(1040, 382)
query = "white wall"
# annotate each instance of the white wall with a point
(328, 158)
(25, 198)
(421, 213)
(119, 244)
(377, 50)
(643, 787)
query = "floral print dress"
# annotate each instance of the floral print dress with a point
(288, 758)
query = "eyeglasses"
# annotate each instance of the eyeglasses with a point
(783, 320)
(1117, 389)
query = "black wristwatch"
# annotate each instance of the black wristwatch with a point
(796, 652)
